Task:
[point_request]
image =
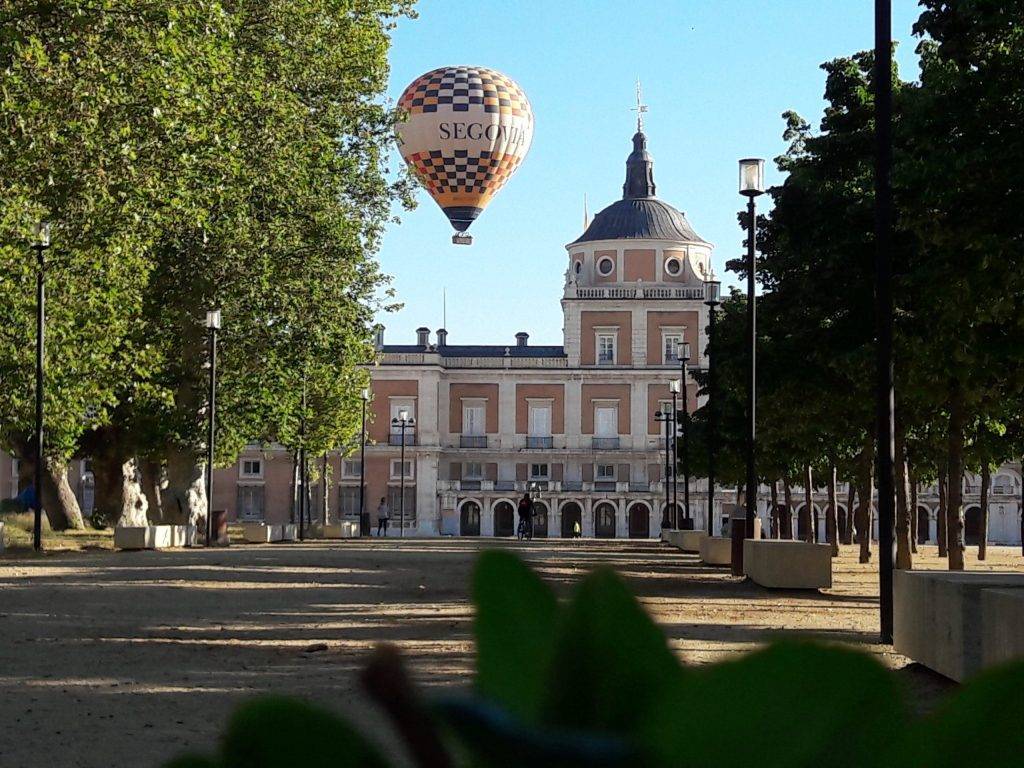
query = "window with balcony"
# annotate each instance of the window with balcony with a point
(604, 477)
(539, 472)
(606, 426)
(670, 346)
(473, 470)
(539, 427)
(606, 348)
(398, 405)
(474, 425)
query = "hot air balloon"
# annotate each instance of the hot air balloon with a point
(467, 131)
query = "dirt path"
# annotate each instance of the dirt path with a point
(118, 659)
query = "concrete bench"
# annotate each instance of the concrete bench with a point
(716, 550)
(688, 541)
(346, 529)
(957, 622)
(787, 564)
(154, 536)
(261, 533)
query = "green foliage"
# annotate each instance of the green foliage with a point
(592, 682)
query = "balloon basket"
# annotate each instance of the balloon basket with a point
(462, 238)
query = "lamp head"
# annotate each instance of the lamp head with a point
(42, 234)
(712, 291)
(403, 415)
(365, 394)
(683, 352)
(673, 386)
(213, 320)
(752, 176)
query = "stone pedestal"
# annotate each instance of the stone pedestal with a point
(787, 564)
(956, 623)
(716, 550)
(154, 536)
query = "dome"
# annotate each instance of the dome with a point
(639, 214)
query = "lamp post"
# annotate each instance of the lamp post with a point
(302, 465)
(751, 185)
(40, 243)
(365, 394)
(666, 419)
(712, 292)
(683, 354)
(884, 388)
(403, 420)
(674, 387)
(213, 320)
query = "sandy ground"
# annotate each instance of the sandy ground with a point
(117, 659)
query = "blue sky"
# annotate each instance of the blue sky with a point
(717, 75)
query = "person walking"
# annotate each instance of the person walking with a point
(526, 517)
(383, 515)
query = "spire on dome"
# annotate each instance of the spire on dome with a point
(639, 170)
(640, 107)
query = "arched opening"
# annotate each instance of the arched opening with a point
(801, 526)
(572, 519)
(924, 528)
(972, 526)
(540, 519)
(469, 519)
(604, 520)
(842, 520)
(639, 521)
(504, 519)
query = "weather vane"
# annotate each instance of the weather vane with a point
(640, 107)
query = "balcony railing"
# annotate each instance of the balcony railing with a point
(644, 487)
(504, 485)
(536, 441)
(605, 443)
(604, 485)
(395, 438)
(470, 485)
(472, 441)
(572, 485)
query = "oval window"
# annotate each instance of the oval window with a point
(578, 267)
(673, 266)
(605, 266)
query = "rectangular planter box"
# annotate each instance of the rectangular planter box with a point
(787, 564)
(956, 623)
(688, 541)
(346, 529)
(258, 533)
(288, 532)
(716, 550)
(154, 536)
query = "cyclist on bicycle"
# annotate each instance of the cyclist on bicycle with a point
(526, 516)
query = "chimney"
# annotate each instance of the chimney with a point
(442, 337)
(378, 336)
(521, 338)
(423, 337)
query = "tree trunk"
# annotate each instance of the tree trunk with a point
(940, 515)
(786, 526)
(986, 480)
(59, 500)
(851, 499)
(184, 502)
(774, 518)
(864, 495)
(119, 497)
(831, 519)
(955, 492)
(807, 515)
(903, 527)
(152, 486)
(912, 479)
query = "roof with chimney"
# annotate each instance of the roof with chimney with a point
(479, 350)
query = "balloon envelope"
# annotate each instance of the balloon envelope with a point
(468, 129)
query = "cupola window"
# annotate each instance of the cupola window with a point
(606, 266)
(673, 266)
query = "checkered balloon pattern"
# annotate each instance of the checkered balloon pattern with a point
(467, 131)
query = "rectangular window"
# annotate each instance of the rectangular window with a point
(540, 421)
(397, 406)
(250, 502)
(473, 470)
(395, 502)
(252, 468)
(606, 421)
(605, 472)
(348, 500)
(671, 347)
(396, 469)
(539, 472)
(473, 420)
(351, 468)
(606, 349)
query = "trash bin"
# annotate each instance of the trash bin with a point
(220, 527)
(364, 524)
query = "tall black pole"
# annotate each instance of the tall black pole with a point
(686, 449)
(327, 494)
(37, 520)
(401, 485)
(752, 373)
(666, 520)
(211, 422)
(675, 464)
(882, 81)
(362, 467)
(302, 466)
(712, 423)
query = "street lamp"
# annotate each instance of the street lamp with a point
(712, 293)
(666, 419)
(751, 185)
(683, 355)
(403, 420)
(40, 242)
(674, 387)
(365, 395)
(212, 326)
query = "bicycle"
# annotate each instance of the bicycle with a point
(525, 530)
